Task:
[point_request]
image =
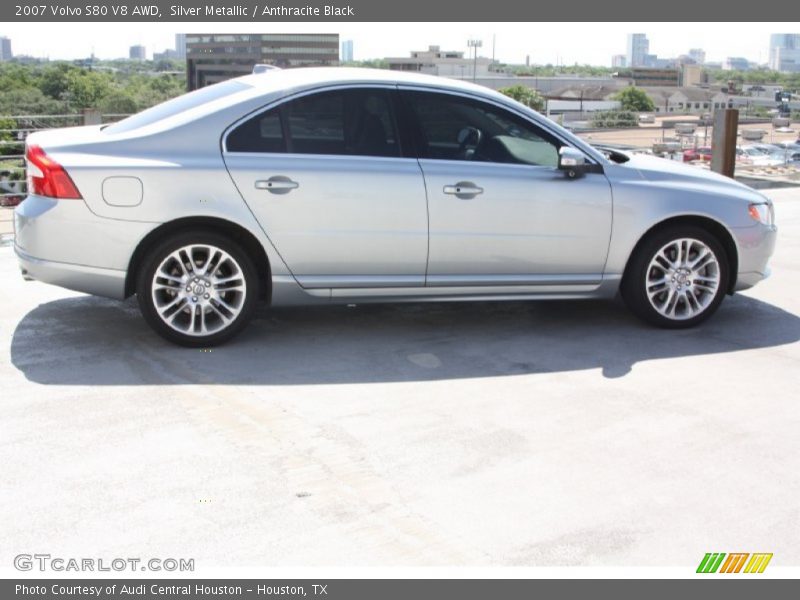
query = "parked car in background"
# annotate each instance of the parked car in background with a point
(702, 153)
(320, 186)
(753, 154)
(791, 151)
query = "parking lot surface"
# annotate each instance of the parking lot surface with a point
(518, 433)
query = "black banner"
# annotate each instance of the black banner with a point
(199, 11)
(396, 589)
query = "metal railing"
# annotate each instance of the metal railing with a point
(13, 184)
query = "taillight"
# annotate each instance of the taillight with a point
(48, 178)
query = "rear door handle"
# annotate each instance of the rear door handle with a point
(278, 184)
(463, 189)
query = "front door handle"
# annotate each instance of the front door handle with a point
(463, 189)
(278, 184)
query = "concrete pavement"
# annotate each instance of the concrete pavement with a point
(442, 434)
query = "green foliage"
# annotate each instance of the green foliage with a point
(790, 81)
(634, 99)
(551, 70)
(375, 63)
(118, 86)
(612, 119)
(117, 102)
(527, 96)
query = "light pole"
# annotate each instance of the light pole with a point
(474, 44)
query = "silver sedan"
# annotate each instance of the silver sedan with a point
(315, 186)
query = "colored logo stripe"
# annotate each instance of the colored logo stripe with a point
(710, 562)
(734, 562)
(758, 563)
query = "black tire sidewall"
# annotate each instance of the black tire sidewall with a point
(633, 287)
(153, 259)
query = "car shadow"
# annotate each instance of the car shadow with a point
(92, 341)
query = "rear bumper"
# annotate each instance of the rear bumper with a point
(81, 278)
(64, 243)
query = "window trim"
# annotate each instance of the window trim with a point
(280, 103)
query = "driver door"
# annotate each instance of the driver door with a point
(501, 212)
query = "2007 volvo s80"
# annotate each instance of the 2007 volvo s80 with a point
(343, 185)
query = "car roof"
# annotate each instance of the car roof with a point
(313, 76)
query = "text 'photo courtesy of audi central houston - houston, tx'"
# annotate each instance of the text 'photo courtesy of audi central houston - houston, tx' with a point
(336, 185)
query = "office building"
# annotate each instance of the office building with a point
(137, 53)
(638, 50)
(211, 58)
(5, 49)
(784, 52)
(698, 55)
(347, 51)
(735, 63)
(445, 63)
(180, 45)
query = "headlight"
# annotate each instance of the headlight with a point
(763, 213)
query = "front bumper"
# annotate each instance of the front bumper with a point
(756, 245)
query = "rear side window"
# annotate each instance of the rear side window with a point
(357, 122)
(261, 134)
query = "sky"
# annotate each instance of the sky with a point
(565, 43)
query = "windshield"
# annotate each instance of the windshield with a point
(177, 105)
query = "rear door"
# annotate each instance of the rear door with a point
(326, 177)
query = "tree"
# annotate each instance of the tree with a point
(527, 96)
(634, 99)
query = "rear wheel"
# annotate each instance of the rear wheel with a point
(197, 289)
(677, 278)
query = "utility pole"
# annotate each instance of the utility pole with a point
(474, 44)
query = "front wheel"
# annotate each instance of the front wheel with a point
(677, 278)
(197, 289)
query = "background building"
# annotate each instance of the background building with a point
(619, 61)
(211, 58)
(347, 51)
(735, 63)
(180, 45)
(698, 55)
(638, 50)
(655, 77)
(445, 63)
(784, 52)
(137, 53)
(5, 49)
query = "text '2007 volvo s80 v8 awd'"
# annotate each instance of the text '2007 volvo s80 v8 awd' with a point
(344, 185)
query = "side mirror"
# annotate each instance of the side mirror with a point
(571, 161)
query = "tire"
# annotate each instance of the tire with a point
(677, 277)
(188, 306)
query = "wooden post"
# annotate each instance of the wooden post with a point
(723, 146)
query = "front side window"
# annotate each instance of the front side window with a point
(356, 122)
(457, 128)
